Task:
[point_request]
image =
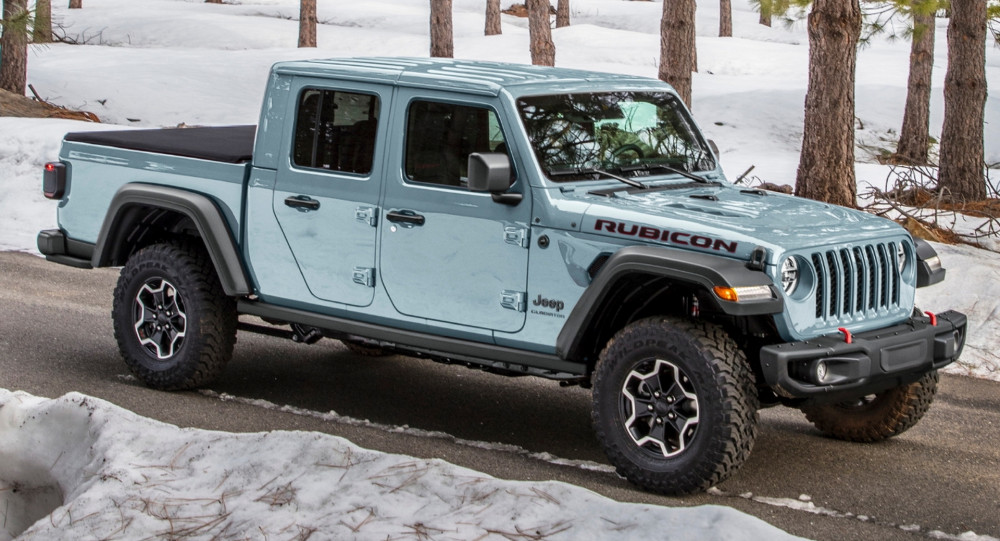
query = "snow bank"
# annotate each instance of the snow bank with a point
(78, 467)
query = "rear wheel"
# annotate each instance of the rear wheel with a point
(878, 416)
(174, 325)
(675, 405)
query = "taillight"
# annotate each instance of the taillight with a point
(54, 180)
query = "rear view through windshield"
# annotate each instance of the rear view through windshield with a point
(573, 134)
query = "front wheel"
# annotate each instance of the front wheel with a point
(878, 416)
(675, 406)
(174, 325)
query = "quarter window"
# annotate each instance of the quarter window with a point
(335, 130)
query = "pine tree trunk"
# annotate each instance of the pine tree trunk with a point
(725, 18)
(826, 164)
(307, 23)
(962, 159)
(75, 4)
(765, 12)
(14, 47)
(493, 17)
(677, 46)
(562, 13)
(914, 137)
(42, 32)
(442, 40)
(543, 50)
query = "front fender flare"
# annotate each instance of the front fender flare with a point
(701, 270)
(205, 214)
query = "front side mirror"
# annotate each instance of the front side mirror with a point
(490, 172)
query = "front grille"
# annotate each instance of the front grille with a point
(858, 280)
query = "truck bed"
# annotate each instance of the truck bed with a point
(228, 144)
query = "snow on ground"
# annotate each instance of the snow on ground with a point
(90, 469)
(166, 62)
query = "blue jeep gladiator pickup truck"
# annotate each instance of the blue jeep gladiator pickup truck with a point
(560, 223)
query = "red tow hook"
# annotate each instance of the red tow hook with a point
(933, 317)
(847, 335)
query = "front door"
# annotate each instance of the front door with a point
(449, 254)
(326, 193)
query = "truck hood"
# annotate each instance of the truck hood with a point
(726, 219)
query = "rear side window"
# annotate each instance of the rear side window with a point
(335, 130)
(440, 137)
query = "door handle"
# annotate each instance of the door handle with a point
(406, 217)
(302, 203)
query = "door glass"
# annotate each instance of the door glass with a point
(440, 137)
(335, 131)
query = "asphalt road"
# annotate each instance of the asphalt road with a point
(941, 476)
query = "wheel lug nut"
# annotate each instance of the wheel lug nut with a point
(670, 399)
(659, 421)
(657, 394)
(671, 416)
(649, 407)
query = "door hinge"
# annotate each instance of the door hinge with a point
(366, 215)
(513, 300)
(516, 236)
(364, 276)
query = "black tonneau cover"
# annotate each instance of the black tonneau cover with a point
(231, 144)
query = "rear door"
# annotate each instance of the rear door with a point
(449, 254)
(327, 189)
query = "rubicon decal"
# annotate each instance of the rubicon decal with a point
(673, 237)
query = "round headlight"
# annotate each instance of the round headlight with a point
(901, 257)
(789, 275)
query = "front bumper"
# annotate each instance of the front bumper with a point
(830, 368)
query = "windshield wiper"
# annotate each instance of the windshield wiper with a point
(595, 171)
(649, 166)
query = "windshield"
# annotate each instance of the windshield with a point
(575, 134)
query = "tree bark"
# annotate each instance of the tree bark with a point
(913, 136)
(677, 46)
(307, 23)
(42, 32)
(765, 12)
(725, 18)
(962, 160)
(493, 18)
(442, 37)
(826, 164)
(14, 47)
(562, 13)
(543, 50)
(75, 4)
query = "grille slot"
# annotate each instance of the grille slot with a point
(852, 281)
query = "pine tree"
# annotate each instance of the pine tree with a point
(493, 17)
(962, 160)
(42, 31)
(725, 18)
(307, 23)
(543, 49)
(826, 164)
(562, 13)
(442, 41)
(913, 136)
(677, 46)
(14, 47)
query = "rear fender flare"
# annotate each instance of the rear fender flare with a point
(200, 209)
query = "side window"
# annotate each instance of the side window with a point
(440, 137)
(335, 130)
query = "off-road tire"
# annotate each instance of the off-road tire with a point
(876, 417)
(716, 373)
(200, 351)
